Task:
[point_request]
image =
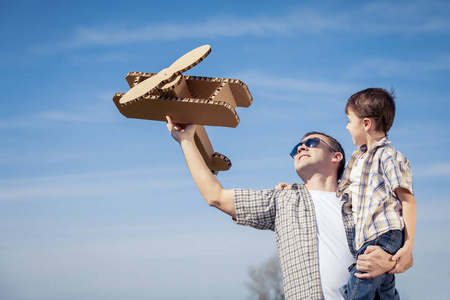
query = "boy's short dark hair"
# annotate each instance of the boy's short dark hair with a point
(336, 146)
(376, 103)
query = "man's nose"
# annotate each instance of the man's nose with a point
(301, 148)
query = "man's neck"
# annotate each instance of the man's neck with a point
(322, 183)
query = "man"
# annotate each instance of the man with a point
(307, 231)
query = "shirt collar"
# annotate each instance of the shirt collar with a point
(384, 141)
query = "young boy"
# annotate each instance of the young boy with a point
(378, 182)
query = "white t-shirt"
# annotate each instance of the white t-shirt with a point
(355, 179)
(334, 254)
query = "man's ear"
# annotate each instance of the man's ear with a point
(337, 157)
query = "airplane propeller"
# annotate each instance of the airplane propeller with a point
(167, 78)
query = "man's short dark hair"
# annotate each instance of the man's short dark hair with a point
(336, 146)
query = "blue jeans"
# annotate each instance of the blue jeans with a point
(380, 287)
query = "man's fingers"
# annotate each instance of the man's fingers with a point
(169, 123)
(396, 256)
(370, 249)
(362, 275)
(363, 267)
(171, 126)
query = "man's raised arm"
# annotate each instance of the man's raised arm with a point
(210, 188)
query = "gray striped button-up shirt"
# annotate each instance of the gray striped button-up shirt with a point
(290, 214)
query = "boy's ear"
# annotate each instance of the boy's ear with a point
(368, 123)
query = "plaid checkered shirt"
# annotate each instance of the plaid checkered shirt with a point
(379, 210)
(290, 214)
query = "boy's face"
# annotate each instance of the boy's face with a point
(356, 128)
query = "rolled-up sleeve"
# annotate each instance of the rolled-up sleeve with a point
(255, 208)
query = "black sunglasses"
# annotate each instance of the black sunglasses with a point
(310, 143)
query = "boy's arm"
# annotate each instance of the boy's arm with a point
(409, 208)
(208, 185)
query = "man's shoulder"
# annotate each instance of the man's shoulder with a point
(298, 186)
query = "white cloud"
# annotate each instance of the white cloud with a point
(435, 211)
(14, 123)
(66, 116)
(410, 18)
(45, 118)
(382, 67)
(405, 17)
(86, 113)
(90, 184)
(100, 108)
(280, 83)
(219, 26)
(440, 169)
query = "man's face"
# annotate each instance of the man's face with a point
(313, 160)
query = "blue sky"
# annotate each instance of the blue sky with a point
(97, 206)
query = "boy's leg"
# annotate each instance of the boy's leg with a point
(361, 288)
(387, 289)
(390, 242)
(383, 285)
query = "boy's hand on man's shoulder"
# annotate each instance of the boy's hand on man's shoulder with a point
(283, 186)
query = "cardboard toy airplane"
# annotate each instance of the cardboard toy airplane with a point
(188, 100)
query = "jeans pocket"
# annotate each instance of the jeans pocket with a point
(391, 241)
